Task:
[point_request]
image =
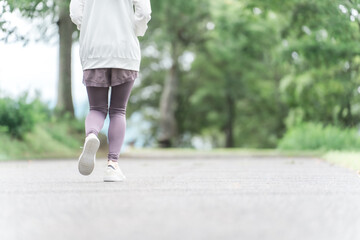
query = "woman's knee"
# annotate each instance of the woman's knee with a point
(98, 99)
(113, 111)
(103, 109)
(119, 98)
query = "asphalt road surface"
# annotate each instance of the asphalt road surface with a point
(189, 198)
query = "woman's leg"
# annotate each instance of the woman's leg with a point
(119, 97)
(98, 101)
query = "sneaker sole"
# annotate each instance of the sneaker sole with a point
(111, 179)
(87, 158)
(114, 178)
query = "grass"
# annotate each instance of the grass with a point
(48, 140)
(59, 140)
(349, 160)
(217, 152)
(40, 143)
(63, 140)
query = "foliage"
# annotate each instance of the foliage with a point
(177, 28)
(261, 67)
(316, 136)
(43, 14)
(18, 117)
(323, 50)
(29, 129)
(237, 88)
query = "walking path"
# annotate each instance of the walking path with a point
(190, 198)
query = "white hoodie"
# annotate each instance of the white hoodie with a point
(109, 31)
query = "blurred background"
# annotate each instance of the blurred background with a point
(248, 74)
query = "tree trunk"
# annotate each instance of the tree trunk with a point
(64, 101)
(168, 126)
(229, 128)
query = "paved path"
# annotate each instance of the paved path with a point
(240, 198)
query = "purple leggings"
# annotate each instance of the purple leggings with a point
(98, 101)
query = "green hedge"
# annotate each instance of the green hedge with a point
(315, 136)
(19, 116)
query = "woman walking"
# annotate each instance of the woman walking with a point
(110, 57)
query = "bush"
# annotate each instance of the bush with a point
(18, 117)
(315, 136)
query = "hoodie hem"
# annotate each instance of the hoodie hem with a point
(113, 62)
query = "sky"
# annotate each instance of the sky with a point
(35, 67)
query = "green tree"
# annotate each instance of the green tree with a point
(176, 27)
(322, 46)
(239, 74)
(230, 92)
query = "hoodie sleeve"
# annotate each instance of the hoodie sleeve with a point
(76, 12)
(142, 16)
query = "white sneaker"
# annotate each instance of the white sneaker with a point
(113, 173)
(86, 161)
